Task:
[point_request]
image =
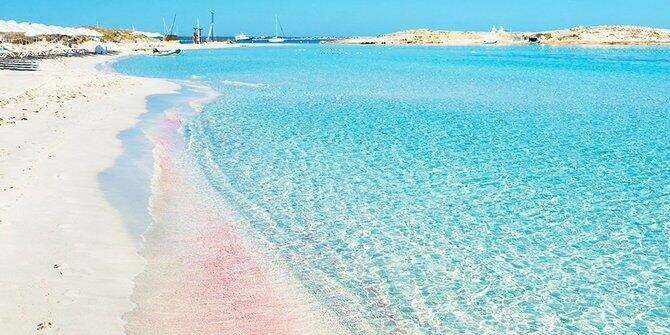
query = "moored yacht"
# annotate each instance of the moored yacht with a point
(277, 39)
(242, 37)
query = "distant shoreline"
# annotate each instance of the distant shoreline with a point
(577, 36)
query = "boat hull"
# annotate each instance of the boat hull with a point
(171, 38)
(168, 53)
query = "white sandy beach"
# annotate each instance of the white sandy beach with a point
(67, 262)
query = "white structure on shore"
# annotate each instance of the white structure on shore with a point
(500, 30)
(38, 29)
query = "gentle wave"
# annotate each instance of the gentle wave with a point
(243, 84)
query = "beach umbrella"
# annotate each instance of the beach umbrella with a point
(9, 27)
(56, 30)
(69, 32)
(28, 29)
(147, 34)
(91, 33)
(38, 29)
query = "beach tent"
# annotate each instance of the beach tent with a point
(100, 50)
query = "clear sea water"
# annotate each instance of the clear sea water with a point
(432, 190)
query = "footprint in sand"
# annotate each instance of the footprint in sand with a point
(66, 271)
(47, 327)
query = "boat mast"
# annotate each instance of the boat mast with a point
(172, 26)
(210, 35)
(276, 26)
(197, 33)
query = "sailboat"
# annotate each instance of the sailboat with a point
(169, 35)
(277, 39)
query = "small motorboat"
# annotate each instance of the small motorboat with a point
(166, 52)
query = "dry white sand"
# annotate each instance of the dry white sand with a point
(67, 262)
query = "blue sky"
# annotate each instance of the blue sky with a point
(343, 17)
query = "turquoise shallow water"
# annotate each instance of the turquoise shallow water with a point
(449, 190)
